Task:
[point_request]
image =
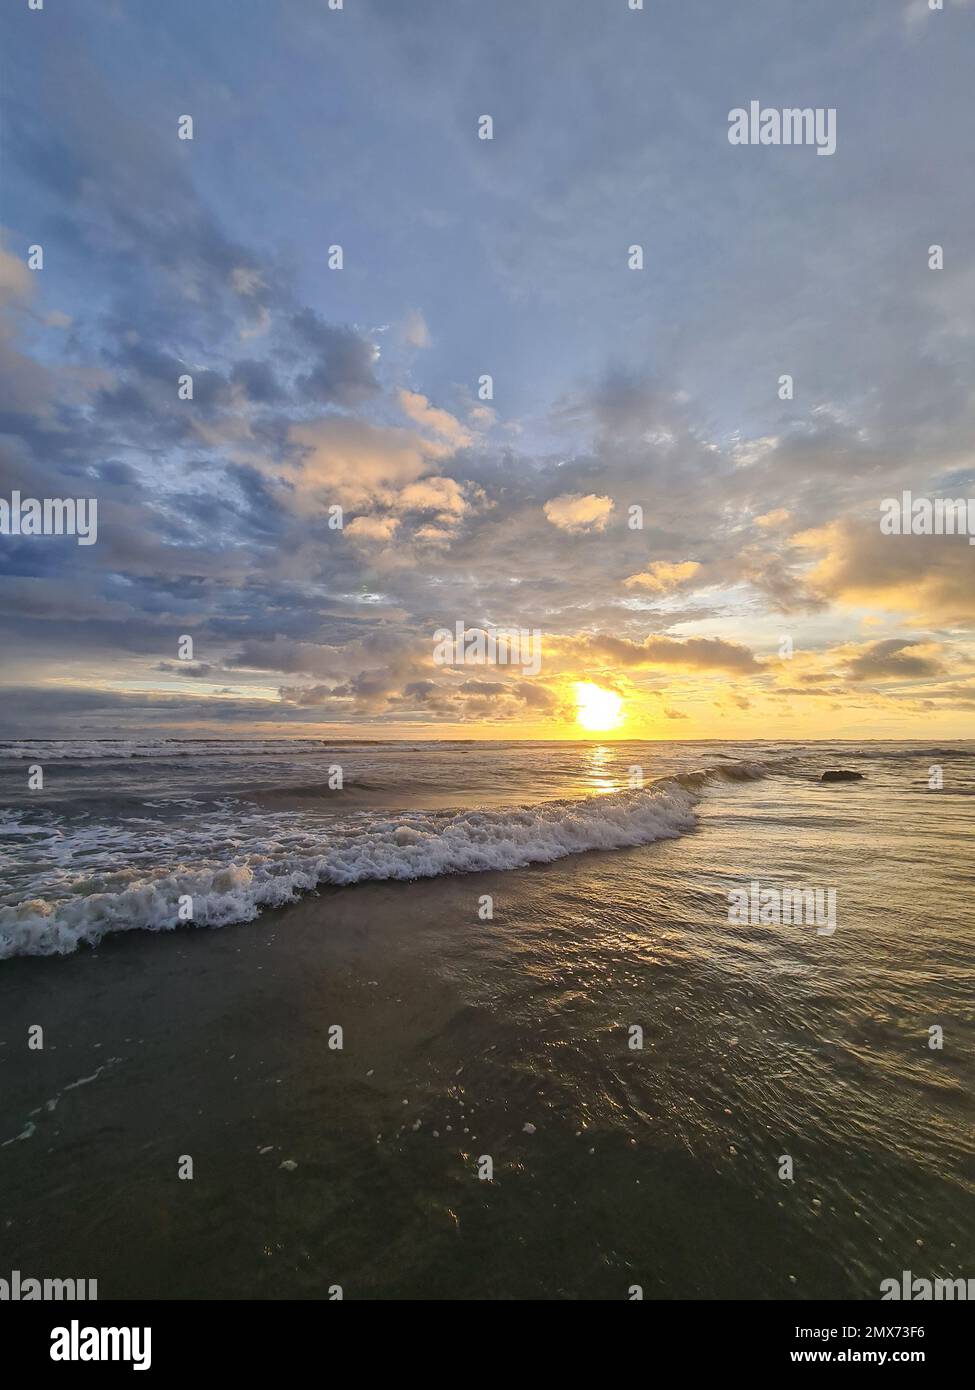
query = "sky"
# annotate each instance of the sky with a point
(690, 553)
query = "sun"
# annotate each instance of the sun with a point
(598, 709)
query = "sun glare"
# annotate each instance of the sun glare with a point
(598, 709)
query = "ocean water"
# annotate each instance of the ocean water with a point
(122, 831)
(661, 1165)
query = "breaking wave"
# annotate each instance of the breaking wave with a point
(280, 865)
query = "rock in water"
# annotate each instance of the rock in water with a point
(841, 774)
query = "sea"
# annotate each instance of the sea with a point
(533, 947)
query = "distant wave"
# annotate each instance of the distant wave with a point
(415, 845)
(731, 772)
(105, 750)
(912, 753)
(126, 750)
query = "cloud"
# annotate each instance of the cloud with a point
(895, 659)
(246, 280)
(662, 577)
(372, 528)
(343, 369)
(576, 513)
(355, 462)
(428, 417)
(16, 281)
(382, 692)
(931, 577)
(213, 513)
(415, 330)
(195, 670)
(771, 520)
(781, 578)
(691, 653)
(257, 380)
(437, 494)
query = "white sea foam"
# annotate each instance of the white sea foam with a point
(286, 860)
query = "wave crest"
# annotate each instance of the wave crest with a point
(414, 845)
